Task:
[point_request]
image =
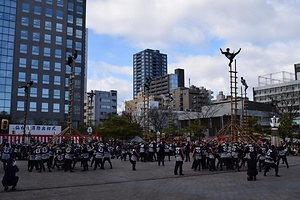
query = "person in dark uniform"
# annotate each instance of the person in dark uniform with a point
(262, 156)
(251, 162)
(282, 149)
(99, 156)
(187, 152)
(198, 156)
(107, 155)
(10, 178)
(161, 154)
(85, 157)
(270, 161)
(69, 158)
(179, 157)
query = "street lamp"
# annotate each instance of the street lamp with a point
(26, 90)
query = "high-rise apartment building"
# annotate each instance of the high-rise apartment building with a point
(36, 38)
(147, 64)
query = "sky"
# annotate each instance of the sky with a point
(191, 33)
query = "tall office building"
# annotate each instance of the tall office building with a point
(147, 63)
(36, 38)
(105, 105)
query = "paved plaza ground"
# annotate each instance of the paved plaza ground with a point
(154, 182)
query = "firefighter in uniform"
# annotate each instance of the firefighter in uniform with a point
(5, 154)
(282, 149)
(133, 157)
(179, 157)
(99, 157)
(270, 161)
(85, 158)
(69, 158)
(198, 156)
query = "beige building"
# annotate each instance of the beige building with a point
(190, 99)
(132, 105)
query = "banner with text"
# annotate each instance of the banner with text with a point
(34, 129)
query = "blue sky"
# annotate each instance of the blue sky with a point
(191, 32)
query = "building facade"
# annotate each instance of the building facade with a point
(147, 64)
(190, 99)
(282, 93)
(37, 36)
(105, 105)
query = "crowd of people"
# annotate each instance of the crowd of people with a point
(212, 156)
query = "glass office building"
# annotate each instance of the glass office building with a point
(147, 63)
(36, 38)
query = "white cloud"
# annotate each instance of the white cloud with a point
(158, 22)
(267, 31)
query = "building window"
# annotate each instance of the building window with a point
(58, 40)
(37, 10)
(57, 67)
(69, 44)
(47, 38)
(79, 10)
(44, 107)
(60, 3)
(34, 78)
(32, 107)
(21, 92)
(36, 36)
(47, 51)
(20, 106)
(70, 6)
(67, 82)
(46, 65)
(48, 25)
(70, 19)
(57, 53)
(25, 7)
(56, 94)
(45, 79)
(78, 45)
(58, 27)
(33, 92)
(34, 64)
(45, 93)
(56, 108)
(70, 31)
(66, 109)
(24, 35)
(78, 34)
(22, 77)
(25, 21)
(35, 50)
(22, 62)
(66, 95)
(56, 80)
(79, 21)
(36, 23)
(59, 14)
(23, 48)
(49, 2)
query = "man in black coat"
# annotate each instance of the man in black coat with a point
(10, 178)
